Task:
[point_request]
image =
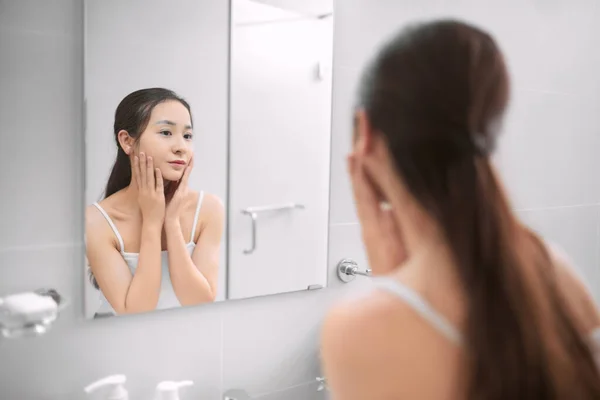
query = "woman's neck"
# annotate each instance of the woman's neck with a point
(429, 255)
(131, 192)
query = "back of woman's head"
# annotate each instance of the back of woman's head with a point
(437, 93)
(132, 115)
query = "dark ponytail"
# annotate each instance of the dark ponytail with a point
(132, 115)
(437, 92)
(120, 175)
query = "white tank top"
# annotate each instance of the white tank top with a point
(167, 297)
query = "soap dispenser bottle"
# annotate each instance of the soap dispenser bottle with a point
(169, 390)
(114, 383)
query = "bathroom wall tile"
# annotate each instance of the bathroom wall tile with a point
(362, 25)
(548, 153)
(42, 158)
(341, 209)
(49, 267)
(306, 391)
(575, 230)
(147, 348)
(535, 32)
(215, 16)
(56, 17)
(564, 56)
(271, 343)
(345, 241)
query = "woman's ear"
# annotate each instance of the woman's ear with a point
(363, 133)
(126, 142)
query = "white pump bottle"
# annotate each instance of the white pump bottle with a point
(114, 383)
(169, 390)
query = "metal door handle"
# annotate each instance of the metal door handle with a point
(253, 212)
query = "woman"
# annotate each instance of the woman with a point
(469, 303)
(148, 209)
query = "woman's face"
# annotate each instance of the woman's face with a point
(168, 139)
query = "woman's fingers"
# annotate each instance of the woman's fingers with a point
(186, 176)
(142, 170)
(159, 181)
(135, 167)
(150, 173)
(364, 195)
(380, 228)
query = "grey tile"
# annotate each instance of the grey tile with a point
(571, 27)
(41, 115)
(307, 391)
(548, 154)
(42, 18)
(361, 26)
(535, 32)
(271, 343)
(50, 267)
(175, 344)
(575, 230)
(341, 208)
(206, 16)
(147, 348)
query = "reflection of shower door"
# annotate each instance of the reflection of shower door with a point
(279, 155)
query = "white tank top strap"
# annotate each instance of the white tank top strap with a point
(422, 307)
(112, 226)
(196, 215)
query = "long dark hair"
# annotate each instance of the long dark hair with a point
(132, 115)
(437, 92)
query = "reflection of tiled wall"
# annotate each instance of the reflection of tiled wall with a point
(269, 344)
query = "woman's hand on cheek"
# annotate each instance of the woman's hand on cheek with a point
(151, 196)
(380, 231)
(179, 194)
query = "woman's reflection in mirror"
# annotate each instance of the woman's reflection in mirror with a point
(152, 242)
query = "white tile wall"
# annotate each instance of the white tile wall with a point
(344, 87)
(266, 344)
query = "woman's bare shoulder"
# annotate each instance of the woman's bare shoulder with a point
(97, 229)
(572, 284)
(211, 199)
(377, 341)
(94, 218)
(211, 203)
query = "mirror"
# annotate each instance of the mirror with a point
(207, 151)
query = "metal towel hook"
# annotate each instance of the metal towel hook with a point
(347, 269)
